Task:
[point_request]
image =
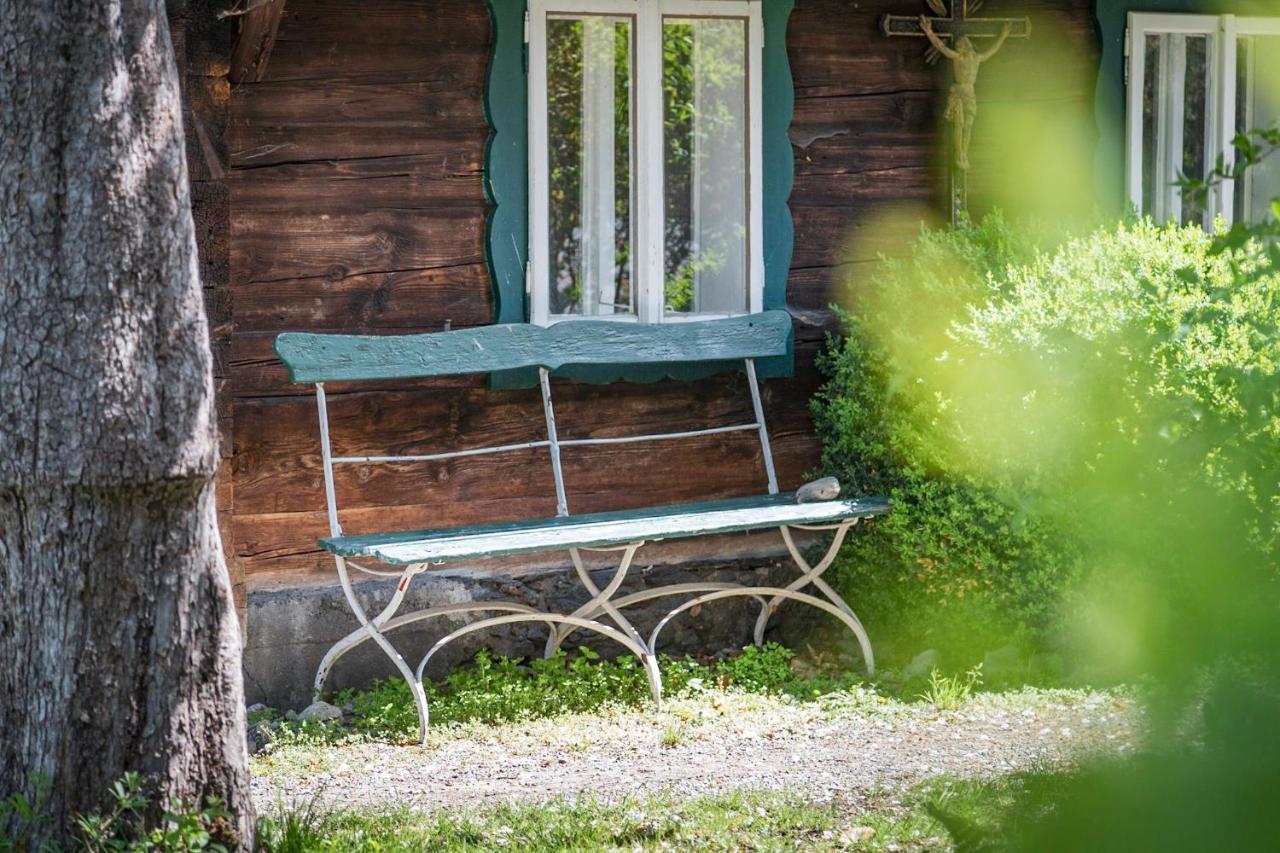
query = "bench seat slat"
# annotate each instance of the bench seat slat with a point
(598, 529)
(511, 346)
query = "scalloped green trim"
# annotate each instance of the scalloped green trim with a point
(506, 161)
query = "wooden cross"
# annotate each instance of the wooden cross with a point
(954, 34)
(958, 21)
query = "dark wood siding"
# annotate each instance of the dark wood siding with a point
(202, 44)
(357, 205)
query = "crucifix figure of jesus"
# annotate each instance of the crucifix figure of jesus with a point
(962, 100)
(953, 32)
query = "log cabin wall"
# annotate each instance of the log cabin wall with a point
(202, 45)
(355, 175)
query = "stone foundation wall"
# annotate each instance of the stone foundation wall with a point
(291, 629)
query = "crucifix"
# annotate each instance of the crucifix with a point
(951, 35)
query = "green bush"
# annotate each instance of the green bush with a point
(999, 391)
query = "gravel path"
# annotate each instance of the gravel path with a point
(707, 744)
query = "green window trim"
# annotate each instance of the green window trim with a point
(1109, 96)
(506, 182)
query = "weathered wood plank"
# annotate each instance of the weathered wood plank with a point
(441, 182)
(299, 121)
(335, 244)
(339, 358)
(255, 37)
(422, 58)
(451, 23)
(403, 302)
(829, 235)
(270, 186)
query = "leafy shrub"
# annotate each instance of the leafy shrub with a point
(759, 669)
(948, 692)
(1002, 394)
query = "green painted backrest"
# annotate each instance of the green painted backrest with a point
(513, 346)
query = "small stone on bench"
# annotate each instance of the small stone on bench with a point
(826, 489)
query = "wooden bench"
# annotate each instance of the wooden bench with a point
(317, 359)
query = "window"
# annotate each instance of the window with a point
(1195, 82)
(644, 159)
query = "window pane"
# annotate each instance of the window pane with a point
(1177, 123)
(704, 80)
(1257, 106)
(589, 74)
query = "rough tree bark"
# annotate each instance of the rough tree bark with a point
(119, 645)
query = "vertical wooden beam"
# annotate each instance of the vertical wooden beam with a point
(202, 47)
(255, 39)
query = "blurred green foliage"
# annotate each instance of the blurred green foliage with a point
(1081, 438)
(1050, 416)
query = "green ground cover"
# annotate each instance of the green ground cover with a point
(931, 816)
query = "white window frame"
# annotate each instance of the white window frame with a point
(648, 268)
(1223, 32)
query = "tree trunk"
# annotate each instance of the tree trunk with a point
(119, 644)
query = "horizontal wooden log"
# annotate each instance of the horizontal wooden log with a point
(407, 302)
(827, 236)
(857, 188)
(277, 454)
(814, 289)
(300, 121)
(900, 116)
(336, 244)
(457, 24)
(836, 49)
(440, 182)
(273, 186)
(425, 58)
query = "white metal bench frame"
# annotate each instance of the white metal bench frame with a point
(389, 358)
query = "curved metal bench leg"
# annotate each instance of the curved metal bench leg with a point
(778, 594)
(600, 599)
(360, 635)
(373, 630)
(809, 575)
(631, 644)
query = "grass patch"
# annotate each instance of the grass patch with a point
(496, 689)
(740, 821)
(949, 692)
(942, 814)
